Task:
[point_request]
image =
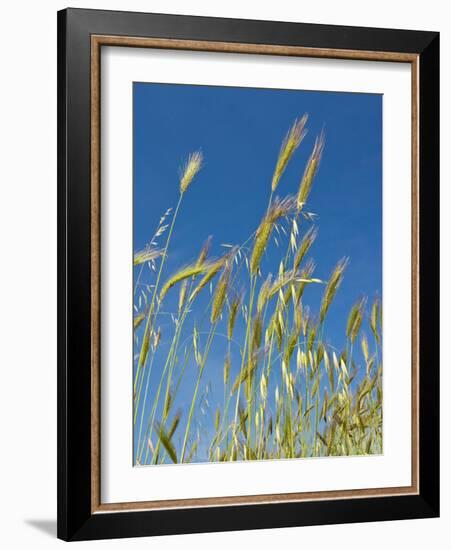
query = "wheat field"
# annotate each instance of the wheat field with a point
(287, 391)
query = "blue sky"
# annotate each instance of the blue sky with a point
(239, 131)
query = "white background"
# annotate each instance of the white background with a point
(120, 482)
(28, 274)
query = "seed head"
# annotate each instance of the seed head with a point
(310, 171)
(279, 209)
(332, 287)
(190, 170)
(289, 145)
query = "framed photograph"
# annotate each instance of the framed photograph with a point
(248, 274)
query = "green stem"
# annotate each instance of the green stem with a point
(141, 360)
(196, 389)
(172, 362)
(243, 356)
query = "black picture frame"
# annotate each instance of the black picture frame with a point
(76, 521)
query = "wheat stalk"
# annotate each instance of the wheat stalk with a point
(289, 145)
(184, 273)
(220, 294)
(146, 255)
(332, 287)
(190, 170)
(278, 209)
(310, 170)
(303, 418)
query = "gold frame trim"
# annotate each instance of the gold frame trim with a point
(97, 41)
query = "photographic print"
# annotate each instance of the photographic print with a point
(247, 223)
(257, 289)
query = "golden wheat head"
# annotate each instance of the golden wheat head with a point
(355, 319)
(220, 294)
(310, 170)
(204, 251)
(234, 307)
(289, 145)
(181, 275)
(190, 170)
(146, 255)
(278, 209)
(304, 247)
(332, 287)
